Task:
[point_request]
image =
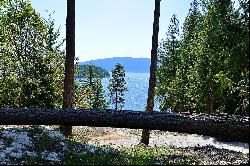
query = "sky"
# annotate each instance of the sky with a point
(113, 28)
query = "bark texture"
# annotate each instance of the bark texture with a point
(68, 95)
(153, 68)
(224, 127)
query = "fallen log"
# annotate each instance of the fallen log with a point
(224, 127)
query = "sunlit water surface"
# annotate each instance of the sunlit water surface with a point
(136, 96)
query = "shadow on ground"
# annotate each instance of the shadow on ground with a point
(45, 146)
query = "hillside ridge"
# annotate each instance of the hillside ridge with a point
(134, 65)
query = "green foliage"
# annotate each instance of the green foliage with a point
(212, 66)
(90, 93)
(104, 155)
(84, 69)
(31, 61)
(168, 61)
(117, 86)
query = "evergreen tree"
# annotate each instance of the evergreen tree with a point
(188, 57)
(168, 65)
(153, 69)
(93, 90)
(208, 71)
(68, 94)
(117, 87)
(221, 61)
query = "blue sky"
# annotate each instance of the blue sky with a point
(113, 28)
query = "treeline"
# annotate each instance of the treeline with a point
(205, 67)
(82, 71)
(32, 65)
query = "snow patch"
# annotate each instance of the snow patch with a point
(50, 156)
(53, 156)
(18, 137)
(18, 154)
(2, 156)
(55, 134)
(31, 154)
(8, 150)
(18, 145)
(1, 144)
(63, 145)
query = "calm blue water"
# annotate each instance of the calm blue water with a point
(136, 96)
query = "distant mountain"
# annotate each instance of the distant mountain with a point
(134, 65)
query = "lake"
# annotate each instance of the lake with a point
(136, 96)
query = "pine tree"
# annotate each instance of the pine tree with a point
(117, 87)
(94, 92)
(168, 65)
(187, 56)
(153, 69)
(212, 69)
(68, 95)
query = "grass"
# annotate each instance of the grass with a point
(129, 156)
(76, 150)
(78, 154)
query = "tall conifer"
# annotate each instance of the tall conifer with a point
(117, 86)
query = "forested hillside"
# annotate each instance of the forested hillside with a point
(135, 65)
(83, 71)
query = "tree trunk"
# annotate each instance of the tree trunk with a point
(68, 95)
(225, 127)
(116, 98)
(153, 67)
